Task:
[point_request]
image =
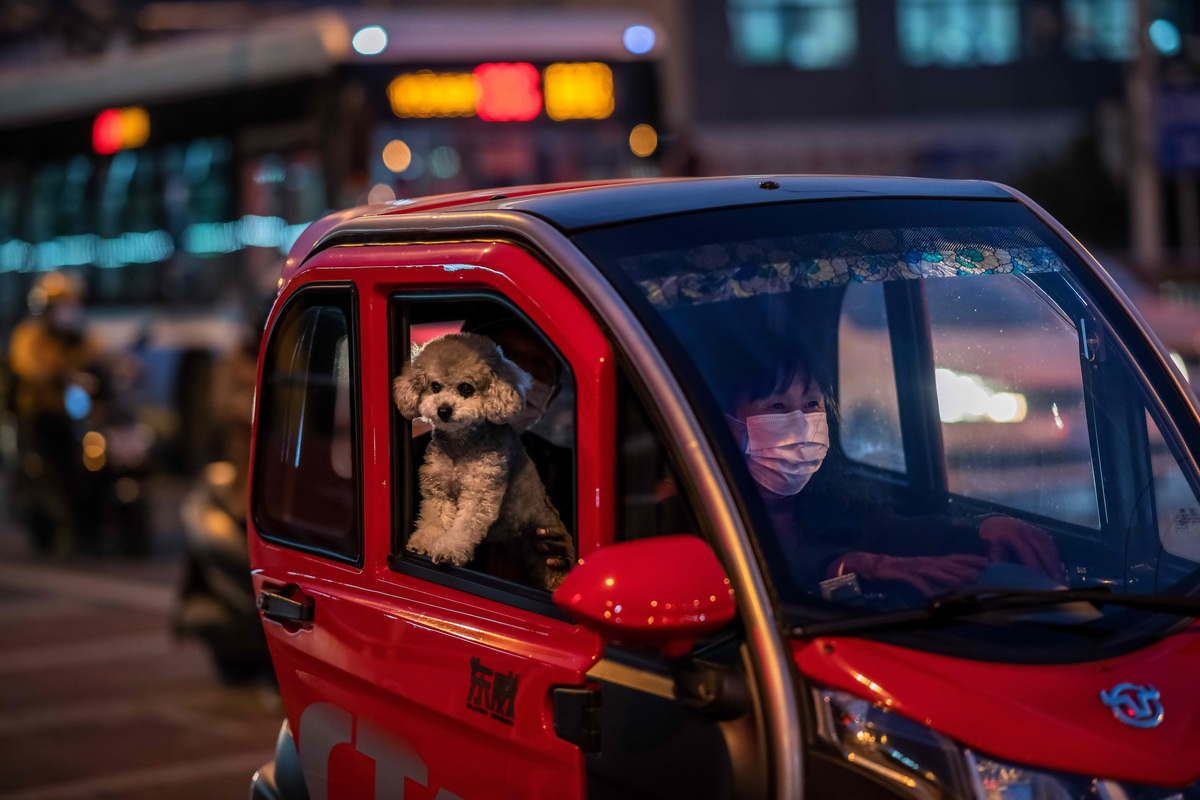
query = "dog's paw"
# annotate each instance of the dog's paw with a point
(449, 558)
(423, 540)
(446, 549)
(443, 554)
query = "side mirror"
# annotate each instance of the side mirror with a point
(663, 592)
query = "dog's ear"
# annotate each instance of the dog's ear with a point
(504, 397)
(406, 388)
(406, 393)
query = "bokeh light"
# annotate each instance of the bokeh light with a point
(1165, 36)
(397, 156)
(638, 39)
(580, 90)
(508, 92)
(381, 193)
(370, 41)
(444, 162)
(643, 140)
(117, 129)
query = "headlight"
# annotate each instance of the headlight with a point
(913, 755)
(1000, 781)
(929, 765)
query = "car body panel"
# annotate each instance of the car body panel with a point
(1047, 715)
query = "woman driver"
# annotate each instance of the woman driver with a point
(777, 409)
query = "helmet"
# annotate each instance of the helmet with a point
(52, 288)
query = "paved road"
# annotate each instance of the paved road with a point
(98, 701)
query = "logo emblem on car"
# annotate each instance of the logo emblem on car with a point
(1134, 705)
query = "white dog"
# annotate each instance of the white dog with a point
(477, 482)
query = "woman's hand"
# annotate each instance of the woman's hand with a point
(1008, 539)
(929, 574)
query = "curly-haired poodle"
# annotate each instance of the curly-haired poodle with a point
(477, 482)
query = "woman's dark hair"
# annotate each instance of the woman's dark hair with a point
(740, 366)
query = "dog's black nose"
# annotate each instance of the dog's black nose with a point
(445, 412)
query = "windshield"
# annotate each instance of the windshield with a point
(917, 397)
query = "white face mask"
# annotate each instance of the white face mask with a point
(784, 450)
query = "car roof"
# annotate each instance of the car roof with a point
(585, 205)
(576, 206)
(606, 205)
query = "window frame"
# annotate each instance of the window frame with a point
(347, 292)
(404, 509)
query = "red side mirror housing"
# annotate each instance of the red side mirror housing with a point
(663, 592)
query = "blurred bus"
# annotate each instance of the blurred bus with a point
(172, 177)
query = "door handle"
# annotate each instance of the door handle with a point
(281, 608)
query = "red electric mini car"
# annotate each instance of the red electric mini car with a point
(879, 488)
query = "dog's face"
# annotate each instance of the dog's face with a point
(460, 380)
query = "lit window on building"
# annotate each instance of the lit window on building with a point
(958, 33)
(807, 34)
(1099, 29)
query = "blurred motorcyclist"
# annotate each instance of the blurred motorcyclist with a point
(49, 352)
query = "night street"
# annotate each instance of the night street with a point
(99, 700)
(599, 399)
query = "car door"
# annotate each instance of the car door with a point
(397, 674)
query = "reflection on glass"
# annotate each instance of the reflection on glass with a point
(1002, 349)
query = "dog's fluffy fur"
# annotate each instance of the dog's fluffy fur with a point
(477, 481)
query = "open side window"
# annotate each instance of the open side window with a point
(546, 427)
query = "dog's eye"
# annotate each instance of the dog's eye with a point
(435, 387)
(466, 389)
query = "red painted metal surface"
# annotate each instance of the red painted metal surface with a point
(624, 593)
(393, 653)
(1043, 715)
(314, 232)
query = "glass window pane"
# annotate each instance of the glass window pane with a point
(1011, 397)
(306, 488)
(868, 406)
(651, 498)
(1177, 509)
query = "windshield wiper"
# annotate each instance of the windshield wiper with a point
(957, 605)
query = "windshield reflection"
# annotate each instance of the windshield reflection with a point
(914, 390)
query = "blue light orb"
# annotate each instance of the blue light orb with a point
(639, 39)
(1165, 36)
(77, 401)
(370, 41)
